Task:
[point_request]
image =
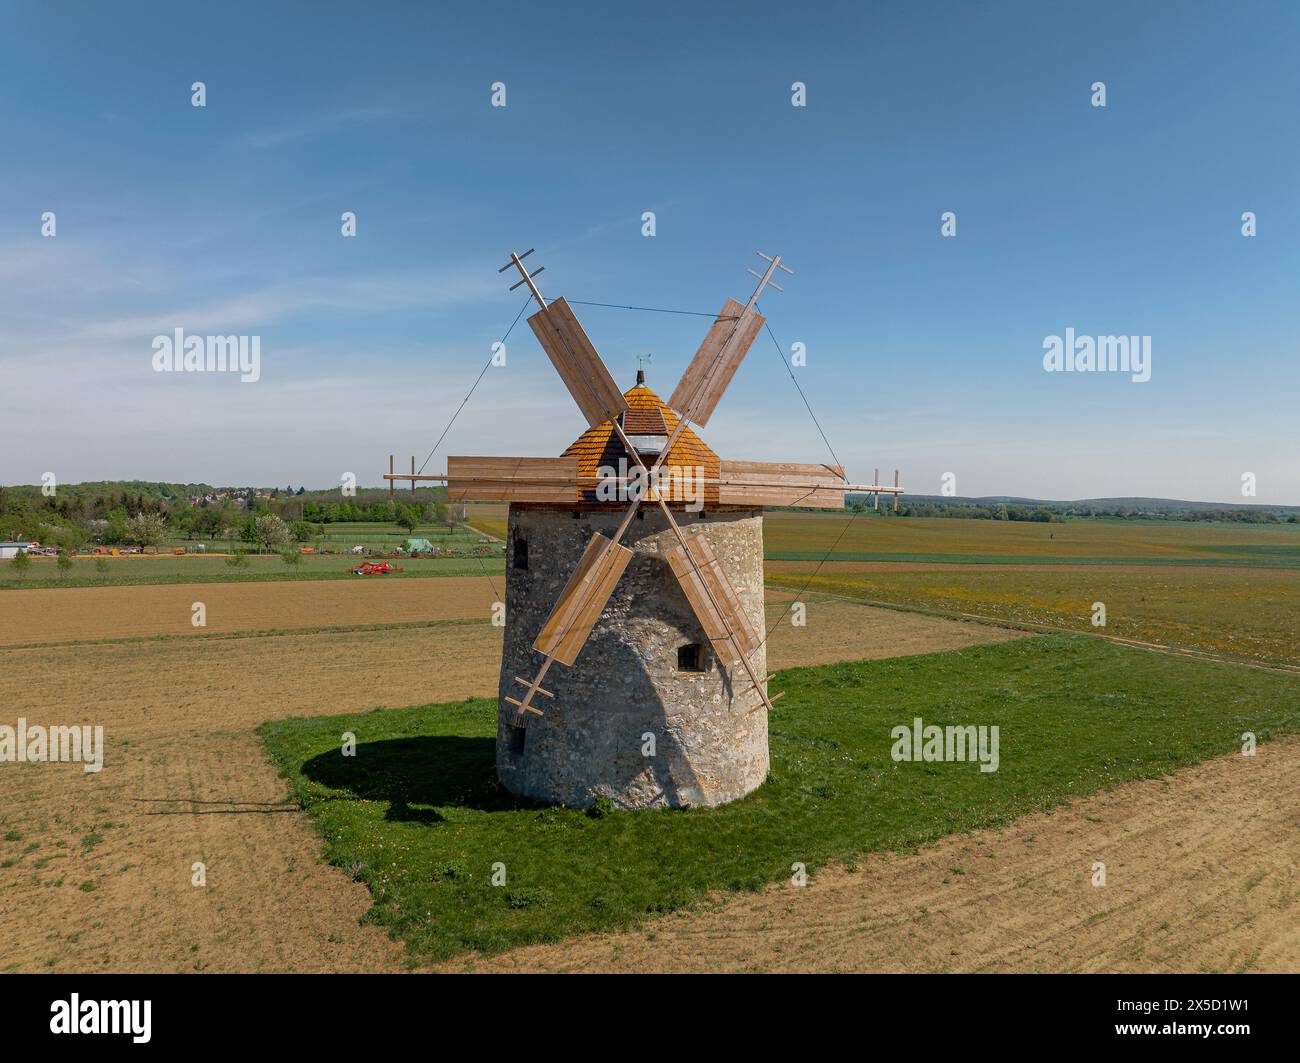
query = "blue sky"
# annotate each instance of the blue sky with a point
(924, 353)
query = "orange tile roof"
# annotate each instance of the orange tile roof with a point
(600, 447)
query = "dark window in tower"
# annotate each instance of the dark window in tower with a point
(517, 736)
(690, 658)
(521, 553)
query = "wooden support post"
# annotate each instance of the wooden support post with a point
(895, 490)
(875, 496)
(391, 481)
(412, 477)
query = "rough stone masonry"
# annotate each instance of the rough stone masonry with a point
(647, 676)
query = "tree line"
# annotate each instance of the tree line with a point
(71, 520)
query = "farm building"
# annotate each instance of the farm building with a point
(10, 549)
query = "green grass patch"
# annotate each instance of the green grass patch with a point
(418, 814)
(1223, 557)
(139, 571)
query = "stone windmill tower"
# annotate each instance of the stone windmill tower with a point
(635, 559)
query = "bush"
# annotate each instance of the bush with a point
(291, 557)
(238, 560)
(21, 563)
(526, 897)
(101, 564)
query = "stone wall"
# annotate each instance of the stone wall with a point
(709, 747)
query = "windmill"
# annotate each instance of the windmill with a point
(622, 536)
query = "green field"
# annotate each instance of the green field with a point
(489, 518)
(794, 536)
(419, 816)
(138, 569)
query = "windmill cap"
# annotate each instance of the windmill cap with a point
(647, 415)
(640, 377)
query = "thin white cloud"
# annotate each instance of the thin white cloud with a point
(281, 302)
(320, 125)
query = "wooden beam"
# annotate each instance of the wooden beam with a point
(523, 708)
(745, 481)
(539, 690)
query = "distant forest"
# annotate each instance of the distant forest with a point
(146, 513)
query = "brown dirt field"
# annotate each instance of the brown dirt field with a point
(1202, 867)
(837, 630)
(186, 780)
(84, 613)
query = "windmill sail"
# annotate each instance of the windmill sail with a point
(577, 362)
(726, 624)
(512, 479)
(583, 600)
(781, 483)
(715, 363)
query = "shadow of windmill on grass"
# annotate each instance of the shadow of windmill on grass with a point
(418, 775)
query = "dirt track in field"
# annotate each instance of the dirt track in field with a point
(1202, 874)
(87, 613)
(102, 868)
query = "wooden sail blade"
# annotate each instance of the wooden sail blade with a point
(704, 584)
(781, 483)
(583, 599)
(716, 362)
(577, 362)
(512, 479)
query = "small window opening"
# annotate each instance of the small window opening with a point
(690, 658)
(517, 736)
(521, 554)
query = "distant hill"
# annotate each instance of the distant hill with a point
(1125, 507)
(1144, 505)
(101, 488)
